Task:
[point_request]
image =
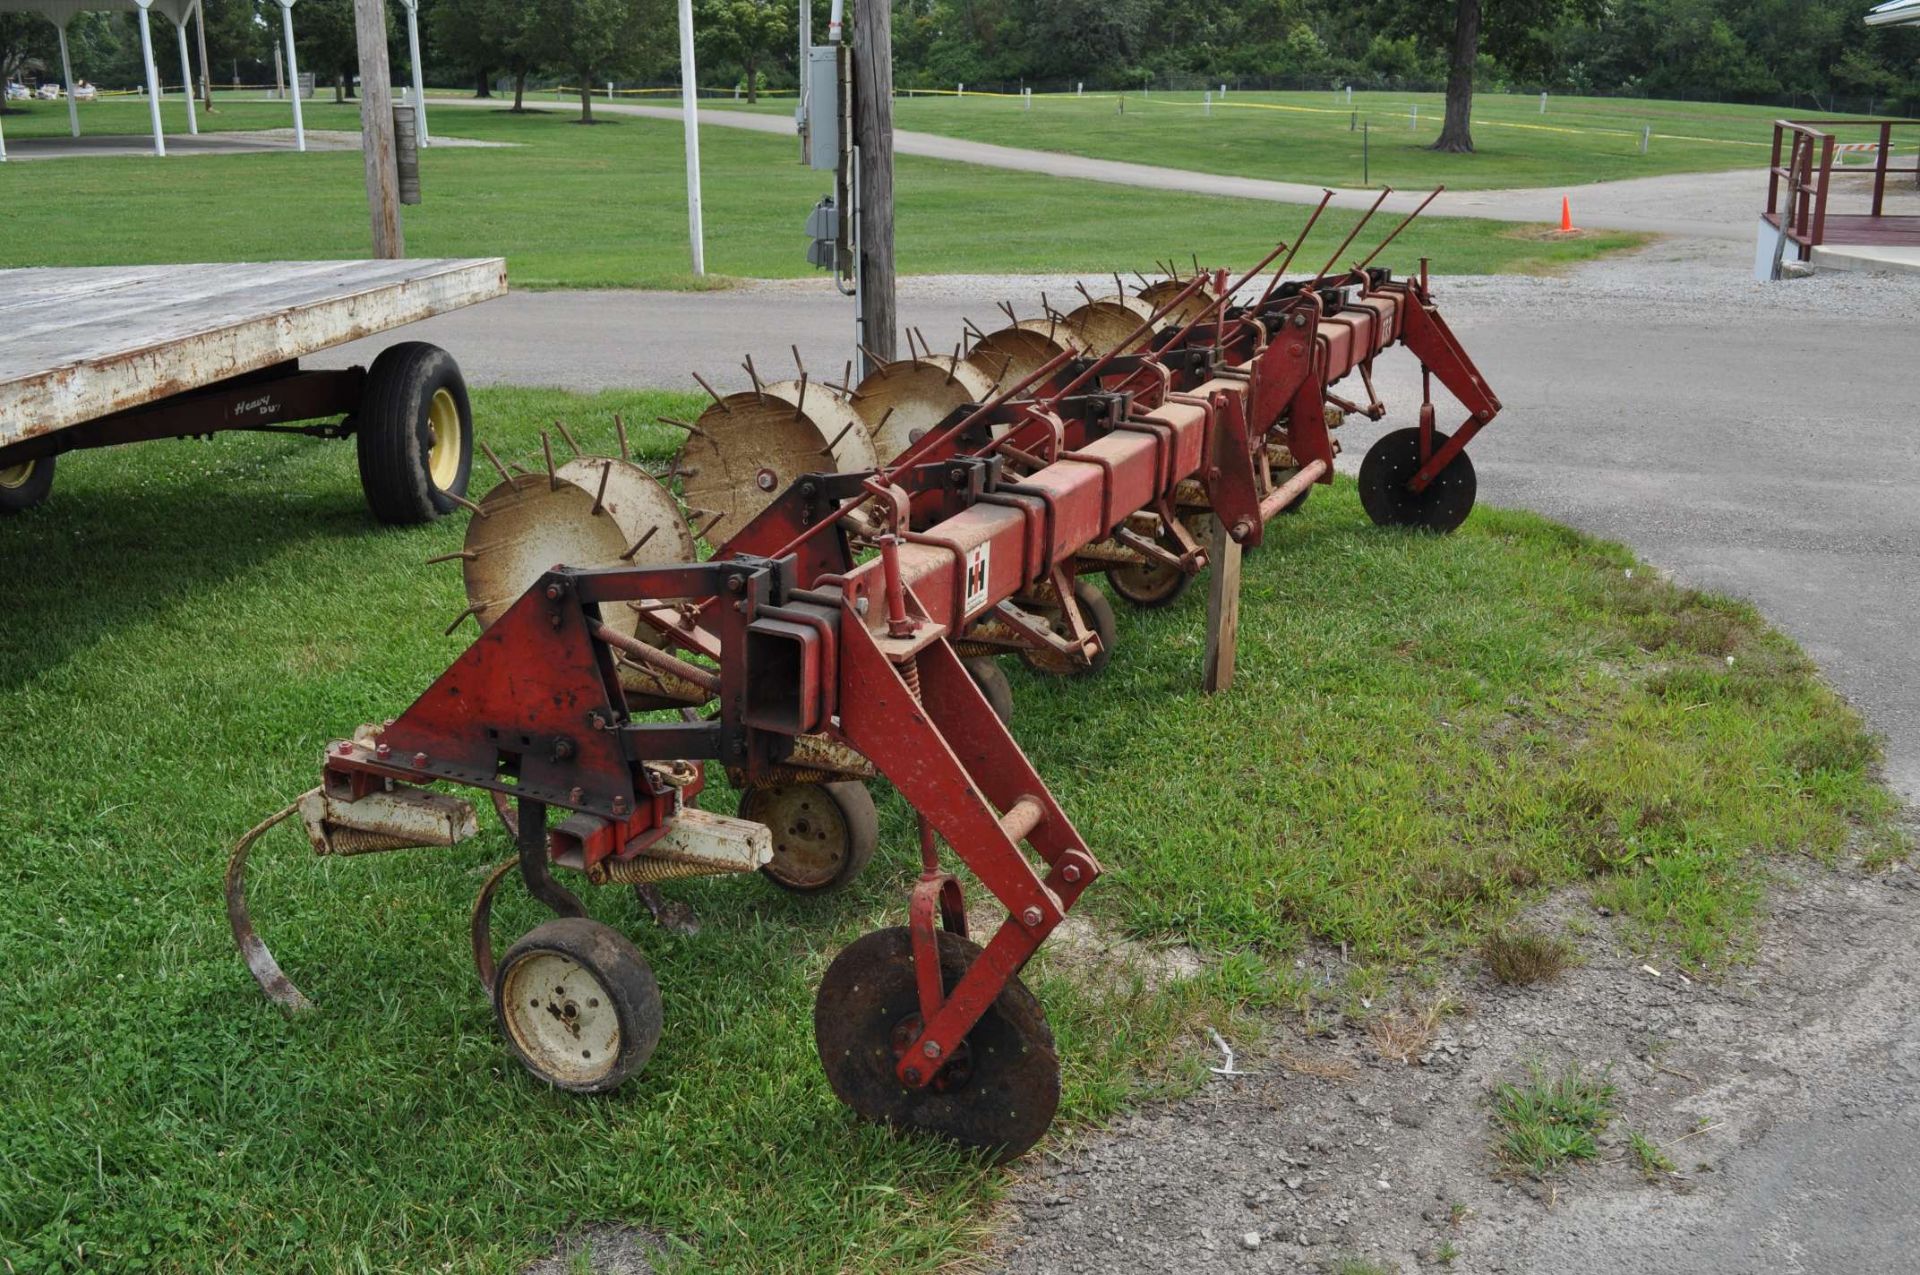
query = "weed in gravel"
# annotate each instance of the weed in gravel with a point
(1361, 1266)
(1446, 1252)
(1652, 1162)
(1549, 1122)
(1519, 956)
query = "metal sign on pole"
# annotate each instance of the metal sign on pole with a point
(690, 117)
(376, 128)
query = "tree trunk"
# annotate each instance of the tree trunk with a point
(520, 89)
(1456, 135)
(586, 98)
(753, 81)
(481, 87)
(339, 87)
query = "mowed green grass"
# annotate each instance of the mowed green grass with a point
(601, 207)
(1313, 137)
(1424, 734)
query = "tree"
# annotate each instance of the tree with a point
(596, 40)
(744, 33)
(1456, 134)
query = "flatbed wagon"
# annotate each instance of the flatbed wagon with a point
(99, 356)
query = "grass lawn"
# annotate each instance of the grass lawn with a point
(1310, 137)
(1425, 735)
(605, 206)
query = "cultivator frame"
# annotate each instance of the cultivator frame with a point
(819, 659)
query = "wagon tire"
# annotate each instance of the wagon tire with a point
(578, 1005)
(25, 485)
(414, 432)
(823, 834)
(994, 684)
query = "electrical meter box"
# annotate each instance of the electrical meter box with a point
(823, 106)
(823, 229)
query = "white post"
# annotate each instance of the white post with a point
(293, 75)
(1543, 103)
(1413, 116)
(609, 90)
(962, 91)
(1080, 88)
(1207, 107)
(186, 75)
(419, 75)
(1223, 90)
(66, 70)
(1349, 95)
(689, 112)
(1027, 96)
(1646, 136)
(153, 78)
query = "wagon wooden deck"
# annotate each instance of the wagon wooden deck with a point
(86, 342)
(94, 356)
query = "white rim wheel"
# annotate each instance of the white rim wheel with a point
(578, 1004)
(561, 1018)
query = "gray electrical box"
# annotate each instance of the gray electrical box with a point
(823, 106)
(823, 228)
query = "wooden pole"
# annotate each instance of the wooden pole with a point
(376, 128)
(873, 136)
(1223, 608)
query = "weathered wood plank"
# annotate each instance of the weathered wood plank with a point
(86, 342)
(1223, 608)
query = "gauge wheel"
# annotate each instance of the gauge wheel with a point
(1390, 465)
(578, 1005)
(414, 431)
(993, 683)
(823, 834)
(1099, 616)
(25, 485)
(1149, 585)
(997, 1091)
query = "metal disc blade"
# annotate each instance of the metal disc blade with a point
(1010, 355)
(1103, 326)
(1155, 295)
(751, 445)
(588, 514)
(1001, 1088)
(904, 399)
(1392, 462)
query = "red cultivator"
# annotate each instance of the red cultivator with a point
(839, 631)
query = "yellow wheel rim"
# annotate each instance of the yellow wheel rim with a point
(15, 476)
(445, 454)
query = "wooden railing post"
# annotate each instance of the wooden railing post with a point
(1820, 199)
(1880, 166)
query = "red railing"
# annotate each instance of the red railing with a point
(1807, 173)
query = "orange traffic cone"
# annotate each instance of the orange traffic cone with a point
(1566, 216)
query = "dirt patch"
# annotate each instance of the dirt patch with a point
(603, 1248)
(1334, 1150)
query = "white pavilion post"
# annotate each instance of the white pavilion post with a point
(66, 70)
(153, 77)
(293, 75)
(690, 118)
(419, 76)
(3, 144)
(186, 74)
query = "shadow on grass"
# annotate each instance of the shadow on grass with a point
(107, 548)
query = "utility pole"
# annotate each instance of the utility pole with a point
(873, 141)
(376, 128)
